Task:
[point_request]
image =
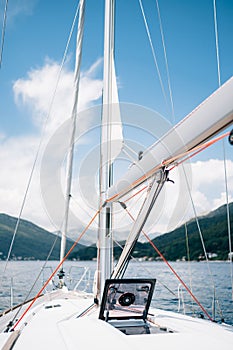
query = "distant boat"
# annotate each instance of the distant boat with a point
(117, 315)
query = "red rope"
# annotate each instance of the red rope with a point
(166, 163)
(57, 268)
(200, 149)
(135, 194)
(174, 272)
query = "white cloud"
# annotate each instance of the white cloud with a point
(207, 191)
(34, 94)
(209, 180)
(36, 91)
(20, 7)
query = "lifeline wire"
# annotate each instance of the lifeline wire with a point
(57, 268)
(39, 274)
(37, 278)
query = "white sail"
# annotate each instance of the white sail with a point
(111, 144)
(112, 136)
(67, 318)
(208, 119)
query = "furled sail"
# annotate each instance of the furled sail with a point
(111, 144)
(205, 121)
(112, 136)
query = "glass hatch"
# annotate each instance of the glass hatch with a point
(125, 299)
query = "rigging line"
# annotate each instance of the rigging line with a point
(202, 240)
(174, 272)
(127, 153)
(188, 255)
(224, 150)
(3, 32)
(216, 42)
(192, 155)
(153, 52)
(135, 194)
(148, 271)
(79, 205)
(58, 267)
(166, 62)
(41, 140)
(37, 278)
(88, 310)
(199, 147)
(166, 163)
(138, 199)
(70, 155)
(39, 274)
(228, 220)
(188, 252)
(125, 145)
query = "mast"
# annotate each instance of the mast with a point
(79, 41)
(111, 143)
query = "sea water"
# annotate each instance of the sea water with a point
(210, 283)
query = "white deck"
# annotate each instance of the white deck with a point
(54, 324)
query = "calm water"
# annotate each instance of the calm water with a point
(20, 276)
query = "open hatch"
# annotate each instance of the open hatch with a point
(125, 304)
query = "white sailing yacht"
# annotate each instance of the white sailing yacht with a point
(118, 314)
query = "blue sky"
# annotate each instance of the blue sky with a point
(36, 35)
(38, 29)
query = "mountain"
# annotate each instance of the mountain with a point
(173, 245)
(31, 241)
(215, 236)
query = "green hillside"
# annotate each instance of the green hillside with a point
(173, 244)
(215, 235)
(31, 241)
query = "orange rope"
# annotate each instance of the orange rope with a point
(200, 149)
(135, 194)
(174, 272)
(166, 163)
(202, 146)
(57, 268)
(187, 158)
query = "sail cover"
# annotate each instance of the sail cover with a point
(112, 136)
(111, 144)
(208, 119)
